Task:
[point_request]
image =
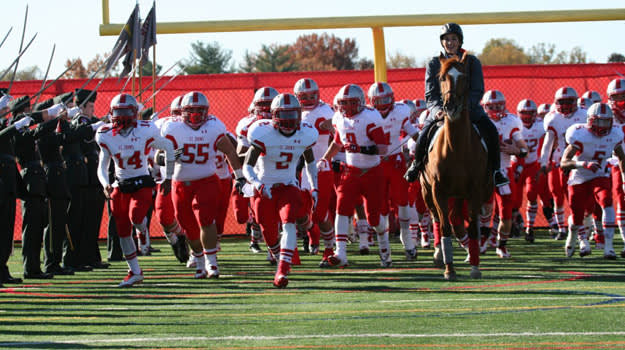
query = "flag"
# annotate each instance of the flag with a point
(148, 33)
(128, 42)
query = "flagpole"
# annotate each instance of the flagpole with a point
(154, 74)
(140, 78)
(134, 71)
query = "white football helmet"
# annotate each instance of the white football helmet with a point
(350, 100)
(593, 96)
(262, 101)
(175, 109)
(616, 97)
(543, 109)
(566, 100)
(286, 113)
(600, 119)
(420, 104)
(124, 110)
(194, 109)
(527, 110)
(494, 104)
(423, 117)
(414, 113)
(307, 92)
(381, 97)
(584, 102)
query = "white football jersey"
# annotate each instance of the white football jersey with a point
(357, 131)
(222, 167)
(130, 152)
(592, 148)
(509, 128)
(242, 129)
(279, 154)
(199, 147)
(558, 124)
(159, 171)
(316, 117)
(397, 120)
(532, 137)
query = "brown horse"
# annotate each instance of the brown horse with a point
(456, 171)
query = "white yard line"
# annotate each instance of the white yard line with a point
(315, 336)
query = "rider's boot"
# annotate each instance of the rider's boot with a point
(418, 164)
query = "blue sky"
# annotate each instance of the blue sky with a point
(73, 26)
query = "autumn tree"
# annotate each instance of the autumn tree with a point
(207, 58)
(399, 60)
(502, 51)
(616, 57)
(325, 52)
(78, 70)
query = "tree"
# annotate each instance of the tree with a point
(577, 55)
(364, 64)
(146, 69)
(28, 73)
(616, 57)
(78, 71)
(502, 51)
(207, 58)
(542, 53)
(399, 60)
(325, 52)
(271, 58)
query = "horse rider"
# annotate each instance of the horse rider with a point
(451, 39)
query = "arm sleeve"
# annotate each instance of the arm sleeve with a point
(433, 98)
(167, 146)
(477, 85)
(311, 172)
(545, 153)
(103, 167)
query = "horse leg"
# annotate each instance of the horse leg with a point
(442, 206)
(474, 236)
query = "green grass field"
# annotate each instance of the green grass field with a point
(536, 299)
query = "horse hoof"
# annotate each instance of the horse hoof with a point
(451, 276)
(476, 273)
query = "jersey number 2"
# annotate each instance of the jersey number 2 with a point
(284, 164)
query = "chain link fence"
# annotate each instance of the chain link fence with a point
(230, 94)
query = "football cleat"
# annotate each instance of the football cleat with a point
(280, 280)
(411, 254)
(529, 235)
(255, 248)
(200, 274)
(191, 262)
(425, 241)
(328, 252)
(213, 271)
(337, 261)
(502, 252)
(131, 279)
(610, 255)
(314, 249)
(584, 247)
(385, 259)
(144, 249)
(181, 249)
(364, 250)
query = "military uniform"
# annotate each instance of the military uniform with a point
(8, 192)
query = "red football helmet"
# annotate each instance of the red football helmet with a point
(262, 101)
(616, 98)
(194, 109)
(307, 93)
(526, 110)
(350, 100)
(124, 109)
(175, 109)
(566, 100)
(286, 114)
(600, 119)
(494, 104)
(381, 97)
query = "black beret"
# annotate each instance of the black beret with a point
(65, 98)
(82, 94)
(146, 113)
(4, 91)
(19, 104)
(43, 105)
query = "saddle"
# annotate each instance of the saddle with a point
(435, 130)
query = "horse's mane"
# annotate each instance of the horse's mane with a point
(446, 65)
